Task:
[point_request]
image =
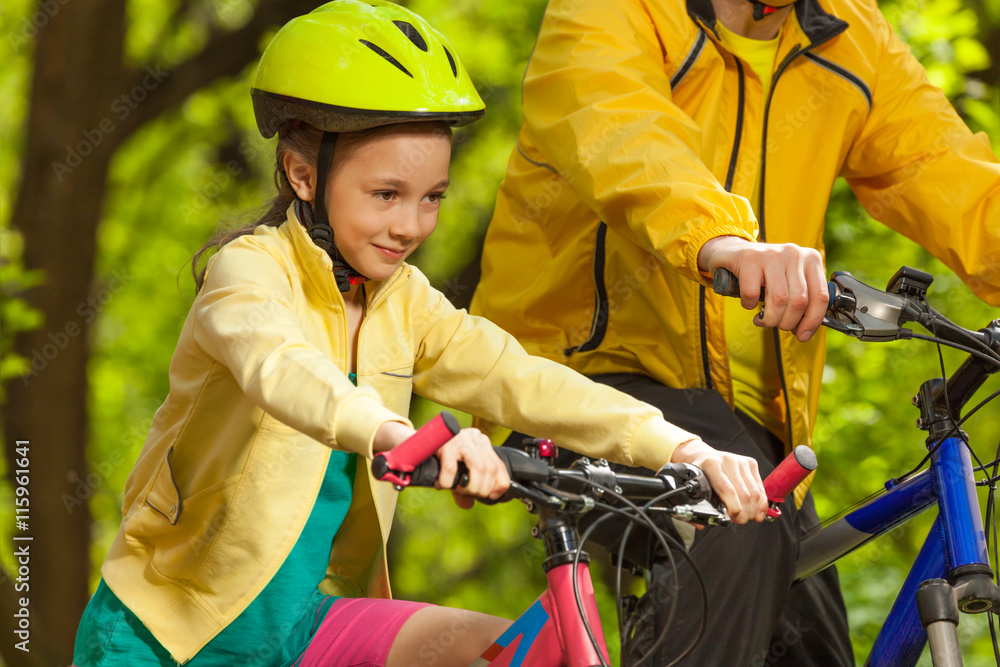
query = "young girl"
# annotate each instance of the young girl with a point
(253, 532)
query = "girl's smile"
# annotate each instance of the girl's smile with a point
(384, 192)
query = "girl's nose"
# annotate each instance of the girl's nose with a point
(406, 224)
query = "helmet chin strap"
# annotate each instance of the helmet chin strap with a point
(760, 10)
(316, 220)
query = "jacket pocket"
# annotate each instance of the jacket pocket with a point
(599, 325)
(165, 497)
(395, 387)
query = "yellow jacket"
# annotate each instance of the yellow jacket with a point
(642, 138)
(258, 396)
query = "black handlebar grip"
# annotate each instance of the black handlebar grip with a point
(427, 473)
(725, 283)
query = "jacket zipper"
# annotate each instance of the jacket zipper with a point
(794, 53)
(730, 176)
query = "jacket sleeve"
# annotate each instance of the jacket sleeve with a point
(597, 103)
(917, 168)
(245, 320)
(470, 364)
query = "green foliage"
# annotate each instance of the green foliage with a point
(174, 182)
(865, 433)
(15, 313)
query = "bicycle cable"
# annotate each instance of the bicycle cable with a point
(991, 512)
(989, 499)
(958, 346)
(955, 428)
(579, 550)
(642, 517)
(626, 630)
(676, 588)
(948, 434)
(576, 561)
(937, 318)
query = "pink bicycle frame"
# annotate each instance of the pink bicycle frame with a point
(551, 633)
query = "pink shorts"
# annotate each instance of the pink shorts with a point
(358, 632)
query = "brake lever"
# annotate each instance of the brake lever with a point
(866, 313)
(701, 512)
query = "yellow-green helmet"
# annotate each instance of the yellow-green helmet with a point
(354, 64)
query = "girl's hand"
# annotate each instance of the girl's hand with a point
(391, 434)
(734, 478)
(488, 476)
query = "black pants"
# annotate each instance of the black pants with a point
(756, 616)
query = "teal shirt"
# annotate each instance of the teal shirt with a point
(274, 630)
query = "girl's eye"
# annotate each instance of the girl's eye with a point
(387, 195)
(435, 197)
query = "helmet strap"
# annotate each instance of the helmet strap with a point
(317, 222)
(760, 10)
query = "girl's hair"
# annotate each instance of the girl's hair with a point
(303, 140)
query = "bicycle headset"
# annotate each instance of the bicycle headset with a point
(350, 65)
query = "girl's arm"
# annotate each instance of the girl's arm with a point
(472, 365)
(245, 320)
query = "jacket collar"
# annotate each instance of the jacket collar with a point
(318, 267)
(817, 24)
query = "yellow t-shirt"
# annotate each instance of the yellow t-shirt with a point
(752, 357)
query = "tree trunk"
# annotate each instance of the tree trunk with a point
(70, 141)
(84, 103)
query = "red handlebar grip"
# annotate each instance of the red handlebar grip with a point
(789, 473)
(420, 446)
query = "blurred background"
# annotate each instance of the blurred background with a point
(127, 137)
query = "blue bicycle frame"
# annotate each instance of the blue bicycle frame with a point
(956, 542)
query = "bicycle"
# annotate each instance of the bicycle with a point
(563, 626)
(952, 572)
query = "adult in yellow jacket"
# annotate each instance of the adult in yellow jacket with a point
(660, 141)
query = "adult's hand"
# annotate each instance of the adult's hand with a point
(735, 479)
(797, 293)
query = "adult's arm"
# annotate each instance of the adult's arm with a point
(471, 364)
(597, 104)
(917, 168)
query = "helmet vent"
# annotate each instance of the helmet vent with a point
(451, 61)
(379, 50)
(412, 34)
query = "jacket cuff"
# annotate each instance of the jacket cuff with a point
(702, 236)
(358, 420)
(654, 442)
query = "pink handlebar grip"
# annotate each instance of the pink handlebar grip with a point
(789, 473)
(416, 449)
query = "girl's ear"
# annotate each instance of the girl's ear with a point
(301, 176)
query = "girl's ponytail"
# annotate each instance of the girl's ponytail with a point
(297, 137)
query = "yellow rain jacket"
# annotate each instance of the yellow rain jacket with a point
(642, 138)
(259, 396)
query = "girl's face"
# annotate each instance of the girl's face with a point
(384, 195)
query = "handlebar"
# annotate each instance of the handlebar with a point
(870, 314)
(685, 491)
